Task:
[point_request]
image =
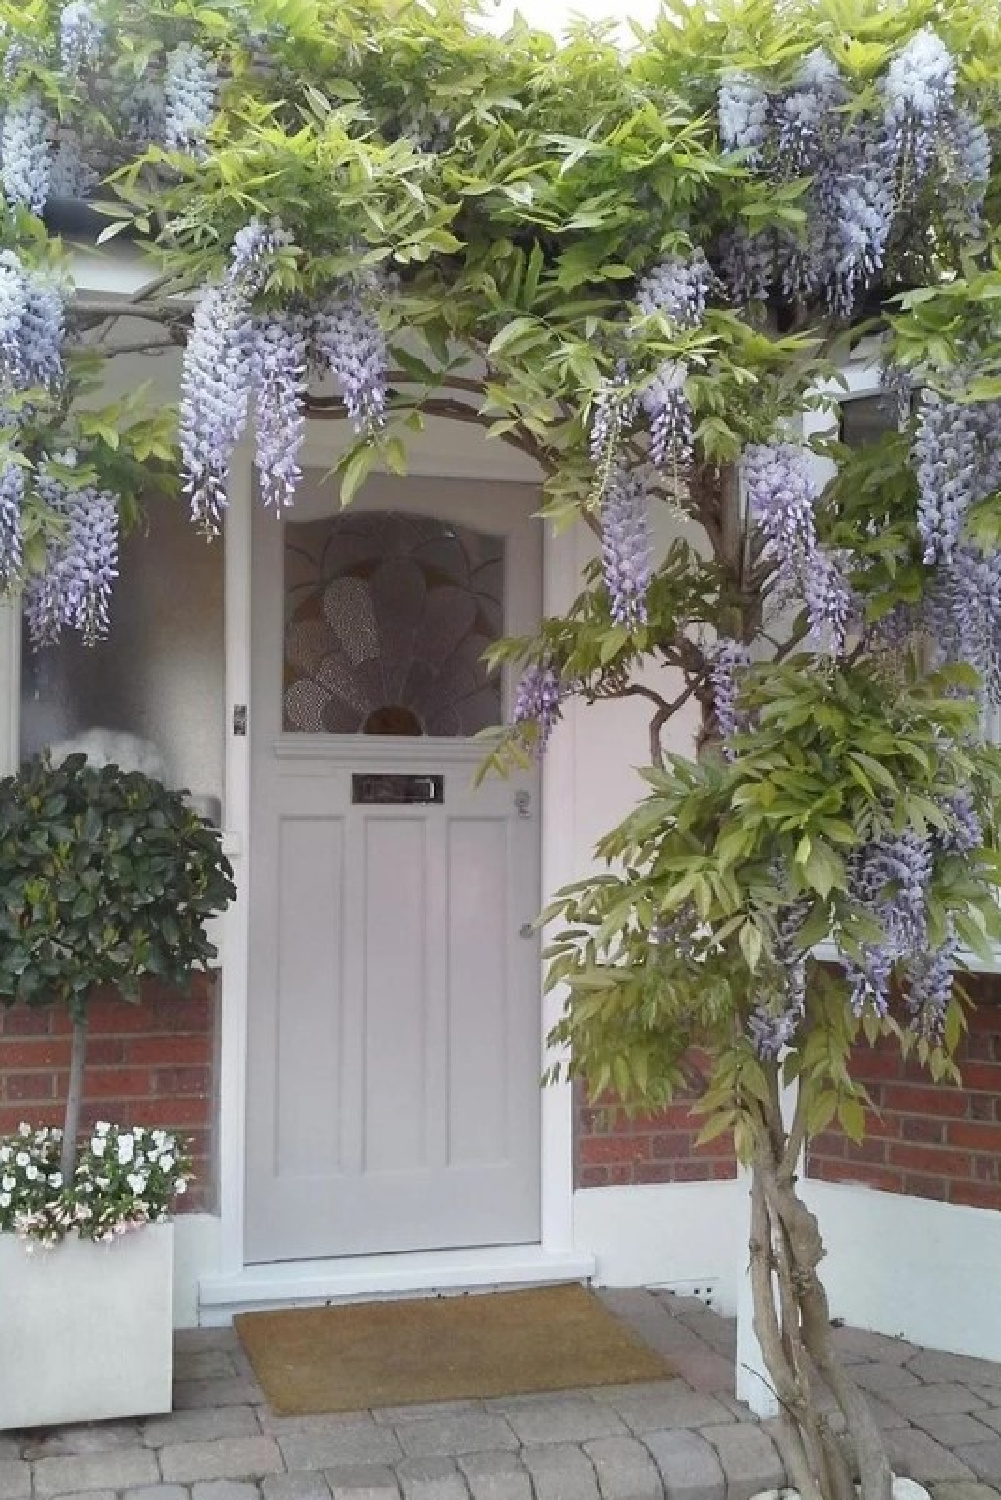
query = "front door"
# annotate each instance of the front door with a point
(394, 1006)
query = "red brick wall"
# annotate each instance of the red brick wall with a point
(925, 1139)
(148, 1064)
(612, 1149)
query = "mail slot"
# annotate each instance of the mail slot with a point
(380, 788)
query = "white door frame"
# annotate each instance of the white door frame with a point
(236, 1284)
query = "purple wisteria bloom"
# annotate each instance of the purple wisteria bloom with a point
(215, 393)
(626, 546)
(74, 589)
(348, 342)
(538, 698)
(278, 365)
(190, 90)
(729, 659)
(676, 289)
(32, 325)
(25, 153)
(11, 500)
(81, 34)
(670, 414)
(781, 492)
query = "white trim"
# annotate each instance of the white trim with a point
(234, 947)
(10, 685)
(369, 1276)
(427, 750)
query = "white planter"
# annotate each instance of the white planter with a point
(86, 1330)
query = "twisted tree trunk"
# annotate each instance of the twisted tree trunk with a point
(793, 1326)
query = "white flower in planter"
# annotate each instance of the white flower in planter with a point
(126, 1149)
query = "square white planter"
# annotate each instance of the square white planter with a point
(86, 1330)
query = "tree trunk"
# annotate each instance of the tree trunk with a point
(74, 1099)
(793, 1326)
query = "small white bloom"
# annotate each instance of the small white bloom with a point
(55, 1179)
(24, 1129)
(166, 1162)
(4, 1200)
(136, 1181)
(126, 1149)
(32, 1173)
(102, 1127)
(98, 1145)
(22, 1158)
(182, 1186)
(8, 1183)
(4, 1153)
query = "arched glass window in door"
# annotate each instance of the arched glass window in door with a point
(387, 616)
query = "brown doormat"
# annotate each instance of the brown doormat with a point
(348, 1358)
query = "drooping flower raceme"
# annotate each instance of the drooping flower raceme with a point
(889, 878)
(80, 36)
(781, 492)
(190, 98)
(729, 659)
(25, 156)
(626, 546)
(670, 414)
(252, 247)
(538, 698)
(32, 325)
(743, 115)
(945, 457)
(81, 565)
(677, 289)
(215, 394)
(11, 500)
(278, 367)
(613, 412)
(349, 343)
(831, 604)
(918, 88)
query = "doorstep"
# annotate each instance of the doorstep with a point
(366, 1276)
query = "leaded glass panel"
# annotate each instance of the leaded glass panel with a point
(387, 617)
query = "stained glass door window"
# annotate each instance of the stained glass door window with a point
(387, 616)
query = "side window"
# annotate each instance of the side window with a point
(864, 419)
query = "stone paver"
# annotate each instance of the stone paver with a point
(10, 1447)
(225, 1489)
(225, 1458)
(200, 1426)
(15, 1479)
(956, 1430)
(916, 1455)
(561, 1471)
(922, 1400)
(680, 1407)
(689, 1466)
(233, 1390)
(882, 1378)
(358, 1444)
(963, 1489)
(116, 1469)
(936, 1368)
(92, 1495)
(158, 1492)
(498, 1475)
(472, 1433)
(984, 1459)
(564, 1422)
(295, 1487)
(431, 1479)
(624, 1469)
(363, 1482)
(748, 1457)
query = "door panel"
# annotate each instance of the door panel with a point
(394, 1028)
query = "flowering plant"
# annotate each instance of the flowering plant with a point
(124, 1178)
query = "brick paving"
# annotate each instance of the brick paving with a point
(685, 1438)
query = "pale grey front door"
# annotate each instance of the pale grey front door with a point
(394, 998)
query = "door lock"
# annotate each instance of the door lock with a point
(523, 804)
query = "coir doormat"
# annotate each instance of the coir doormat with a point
(347, 1358)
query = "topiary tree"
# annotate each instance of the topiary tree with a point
(645, 271)
(105, 876)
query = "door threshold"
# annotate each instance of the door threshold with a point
(368, 1277)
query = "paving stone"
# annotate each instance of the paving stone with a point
(223, 1458)
(983, 1458)
(10, 1447)
(689, 1466)
(322, 1422)
(991, 1415)
(421, 1410)
(431, 1479)
(114, 1470)
(363, 1482)
(357, 1444)
(204, 1364)
(917, 1456)
(498, 1475)
(200, 1426)
(564, 1422)
(881, 1378)
(749, 1458)
(938, 1368)
(561, 1471)
(84, 1437)
(856, 1344)
(92, 1495)
(194, 1340)
(230, 1390)
(295, 1487)
(956, 1429)
(225, 1489)
(963, 1489)
(15, 1479)
(477, 1432)
(681, 1407)
(625, 1469)
(158, 1492)
(936, 1400)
